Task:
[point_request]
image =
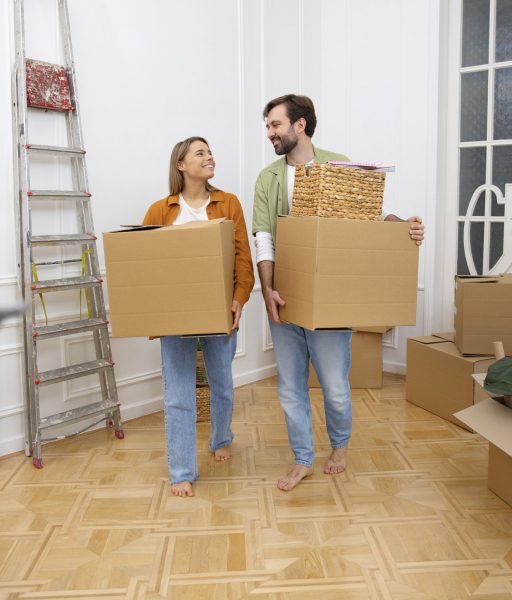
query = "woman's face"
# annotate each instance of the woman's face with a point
(198, 162)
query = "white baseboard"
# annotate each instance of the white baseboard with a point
(141, 409)
(16, 443)
(254, 375)
(394, 367)
(134, 410)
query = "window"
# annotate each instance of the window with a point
(485, 138)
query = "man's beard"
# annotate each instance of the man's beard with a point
(286, 145)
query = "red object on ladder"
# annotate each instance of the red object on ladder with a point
(47, 86)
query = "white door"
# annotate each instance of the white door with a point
(480, 145)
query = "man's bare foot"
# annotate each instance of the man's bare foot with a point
(337, 462)
(223, 453)
(182, 489)
(294, 477)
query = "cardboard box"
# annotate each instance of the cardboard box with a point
(343, 273)
(493, 421)
(439, 378)
(483, 313)
(175, 280)
(365, 361)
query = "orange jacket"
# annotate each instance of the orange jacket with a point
(222, 204)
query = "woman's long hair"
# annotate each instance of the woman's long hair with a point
(176, 179)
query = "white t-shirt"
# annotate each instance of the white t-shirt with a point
(263, 240)
(188, 214)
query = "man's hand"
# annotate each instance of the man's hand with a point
(417, 229)
(236, 309)
(273, 301)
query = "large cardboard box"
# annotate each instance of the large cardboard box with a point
(439, 378)
(175, 280)
(343, 273)
(365, 361)
(483, 313)
(493, 421)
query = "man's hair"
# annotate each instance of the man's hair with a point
(297, 107)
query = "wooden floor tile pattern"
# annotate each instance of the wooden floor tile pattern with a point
(411, 519)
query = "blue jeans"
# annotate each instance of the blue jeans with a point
(329, 352)
(179, 378)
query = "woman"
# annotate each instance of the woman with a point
(192, 198)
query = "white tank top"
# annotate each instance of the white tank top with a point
(187, 213)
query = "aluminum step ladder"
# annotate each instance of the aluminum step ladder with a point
(51, 89)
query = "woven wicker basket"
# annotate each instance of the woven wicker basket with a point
(324, 190)
(201, 378)
(202, 389)
(203, 403)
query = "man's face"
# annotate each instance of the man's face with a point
(280, 131)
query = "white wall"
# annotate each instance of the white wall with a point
(152, 73)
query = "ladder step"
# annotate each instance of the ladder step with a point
(73, 371)
(57, 194)
(66, 283)
(69, 328)
(77, 414)
(57, 150)
(62, 240)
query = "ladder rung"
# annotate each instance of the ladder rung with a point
(58, 194)
(69, 328)
(73, 371)
(61, 240)
(77, 414)
(66, 283)
(58, 150)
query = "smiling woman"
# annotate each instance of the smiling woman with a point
(193, 198)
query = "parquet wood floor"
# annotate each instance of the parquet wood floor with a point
(411, 519)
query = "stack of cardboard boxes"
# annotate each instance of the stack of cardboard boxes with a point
(365, 359)
(348, 274)
(441, 369)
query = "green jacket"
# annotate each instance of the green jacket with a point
(271, 192)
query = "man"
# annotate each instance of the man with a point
(291, 122)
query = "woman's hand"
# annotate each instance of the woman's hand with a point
(236, 309)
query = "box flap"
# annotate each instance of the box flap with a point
(373, 329)
(191, 225)
(480, 378)
(475, 279)
(131, 228)
(448, 336)
(447, 347)
(491, 420)
(196, 224)
(428, 339)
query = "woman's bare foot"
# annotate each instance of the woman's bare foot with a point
(337, 462)
(294, 477)
(223, 453)
(182, 489)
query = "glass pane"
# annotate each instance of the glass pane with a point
(473, 109)
(501, 174)
(476, 237)
(462, 265)
(503, 30)
(503, 104)
(475, 33)
(480, 206)
(496, 249)
(471, 175)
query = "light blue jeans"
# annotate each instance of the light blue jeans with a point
(179, 378)
(329, 352)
